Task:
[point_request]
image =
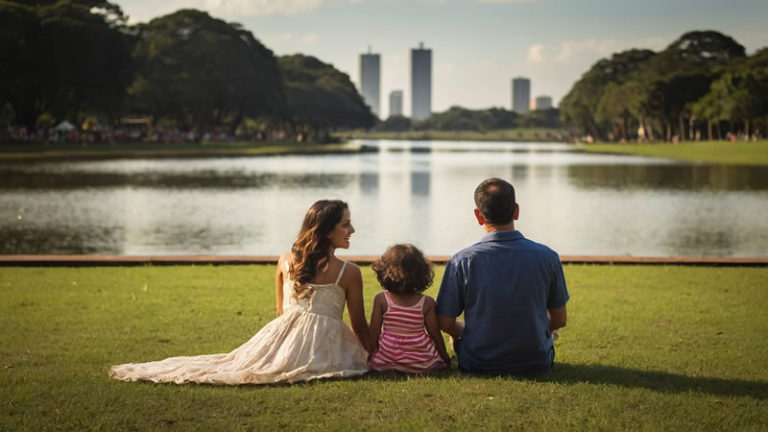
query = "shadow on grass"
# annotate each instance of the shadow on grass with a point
(665, 382)
(564, 373)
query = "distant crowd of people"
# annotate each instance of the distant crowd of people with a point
(68, 133)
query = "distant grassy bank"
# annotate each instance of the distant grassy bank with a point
(519, 134)
(721, 152)
(157, 150)
(646, 348)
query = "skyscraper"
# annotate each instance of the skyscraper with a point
(421, 82)
(370, 74)
(396, 103)
(521, 95)
(543, 102)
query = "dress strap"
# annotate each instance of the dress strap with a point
(389, 299)
(341, 272)
(420, 304)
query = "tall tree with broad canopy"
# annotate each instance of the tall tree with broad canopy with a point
(320, 98)
(672, 81)
(64, 58)
(579, 107)
(202, 72)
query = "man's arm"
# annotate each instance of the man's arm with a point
(557, 318)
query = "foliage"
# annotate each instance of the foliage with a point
(701, 75)
(683, 346)
(203, 72)
(543, 118)
(579, 107)
(461, 119)
(64, 57)
(320, 97)
(396, 123)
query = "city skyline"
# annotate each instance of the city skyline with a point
(478, 46)
(521, 95)
(421, 82)
(370, 80)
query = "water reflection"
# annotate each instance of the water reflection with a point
(677, 176)
(16, 179)
(417, 192)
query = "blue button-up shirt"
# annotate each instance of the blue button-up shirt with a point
(504, 285)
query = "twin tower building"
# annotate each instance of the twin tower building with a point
(421, 84)
(421, 87)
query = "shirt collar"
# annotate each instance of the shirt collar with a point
(502, 236)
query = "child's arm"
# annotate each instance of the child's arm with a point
(433, 329)
(377, 315)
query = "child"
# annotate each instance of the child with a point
(404, 330)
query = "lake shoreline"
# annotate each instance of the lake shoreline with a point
(101, 151)
(753, 153)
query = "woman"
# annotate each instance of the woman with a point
(308, 340)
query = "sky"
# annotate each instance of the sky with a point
(478, 46)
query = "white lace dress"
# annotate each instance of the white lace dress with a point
(308, 341)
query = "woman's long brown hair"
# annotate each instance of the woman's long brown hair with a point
(311, 250)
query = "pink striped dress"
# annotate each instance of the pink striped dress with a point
(404, 344)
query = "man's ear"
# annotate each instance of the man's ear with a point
(517, 212)
(479, 217)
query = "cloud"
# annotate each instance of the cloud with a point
(506, 1)
(290, 38)
(535, 53)
(589, 49)
(144, 10)
(309, 39)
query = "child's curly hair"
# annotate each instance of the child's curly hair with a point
(403, 269)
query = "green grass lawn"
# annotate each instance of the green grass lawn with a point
(721, 152)
(518, 134)
(646, 348)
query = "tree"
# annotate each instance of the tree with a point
(740, 95)
(320, 98)
(654, 91)
(395, 123)
(673, 80)
(63, 58)
(458, 118)
(202, 72)
(578, 108)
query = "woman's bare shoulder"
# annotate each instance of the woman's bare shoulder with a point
(285, 260)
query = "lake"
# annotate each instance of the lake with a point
(398, 191)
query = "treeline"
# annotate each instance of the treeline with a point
(79, 60)
(463, 119)
(702, 86)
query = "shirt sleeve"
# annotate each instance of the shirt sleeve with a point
(558, 291)
(450, 301)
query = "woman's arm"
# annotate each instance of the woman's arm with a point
(353, 284)
(279, 275)
(377, 316)
(433, 329)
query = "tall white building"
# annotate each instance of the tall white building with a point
(396, 103)
(370, 80)
(521, 95)
(421, 82)
(543, 102)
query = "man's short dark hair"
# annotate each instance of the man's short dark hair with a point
(495, 198)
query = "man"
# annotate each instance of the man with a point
(511, 290)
